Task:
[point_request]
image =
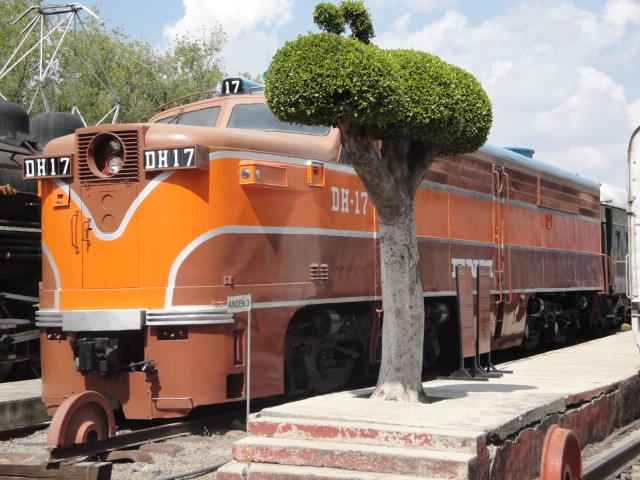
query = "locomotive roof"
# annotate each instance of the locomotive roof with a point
(538, 165)
(613, 196)
(258, 96)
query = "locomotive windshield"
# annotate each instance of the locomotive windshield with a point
(205, 117)
(257, 116)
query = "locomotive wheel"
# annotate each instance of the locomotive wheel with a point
(561, 458)
(82, 418)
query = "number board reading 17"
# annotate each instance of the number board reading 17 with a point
(232, 85)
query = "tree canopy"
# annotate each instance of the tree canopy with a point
(328, 79)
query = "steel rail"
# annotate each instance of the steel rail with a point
(134, 438)
(13, 432)
(613, 460)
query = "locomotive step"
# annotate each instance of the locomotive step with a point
(382, 459)
(265, 471)
(272, 424)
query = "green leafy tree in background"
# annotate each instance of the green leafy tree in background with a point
(16, 82)
(97, 64)
(396, 111)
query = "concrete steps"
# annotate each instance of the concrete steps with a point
(354, 456)
(268, 425)
(281, 447)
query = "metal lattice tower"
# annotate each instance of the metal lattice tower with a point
(53, 30)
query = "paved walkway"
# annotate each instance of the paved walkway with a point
(592, 388)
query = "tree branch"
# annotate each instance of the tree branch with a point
(375, 174)
(420, 158)
(391, 171)
(408, 161)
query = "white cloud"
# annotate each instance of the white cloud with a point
(587, 155)
(598, 102)
(543, 65)
(633, 110)
(428, 5)
(251, 52)
(620, 12)
(235, 18)
(600, 161)
(251, 27)
(401, 23)
(432, 37)
(416, 5)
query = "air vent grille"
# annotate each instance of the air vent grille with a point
(131, 169)
(319, 272)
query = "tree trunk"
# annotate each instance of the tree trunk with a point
(403, 321)
(391, 172)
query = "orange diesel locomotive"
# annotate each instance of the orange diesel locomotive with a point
(148, 229)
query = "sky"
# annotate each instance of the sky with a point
(563, 76)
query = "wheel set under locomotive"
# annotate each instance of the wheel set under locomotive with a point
(148, 229)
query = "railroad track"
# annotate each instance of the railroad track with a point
(136, 438)
(92, 460)
(610, 463)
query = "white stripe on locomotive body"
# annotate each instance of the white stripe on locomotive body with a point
(56, 275)
(164, 175)
(270, 157)
(218, 155)
(236, 229)
(251, 230)
(105, 237)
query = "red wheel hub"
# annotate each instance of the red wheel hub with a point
(561, 458)
(85, 417)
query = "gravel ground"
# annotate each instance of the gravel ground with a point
(197, 452)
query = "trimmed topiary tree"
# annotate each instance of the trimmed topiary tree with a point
(396, 111)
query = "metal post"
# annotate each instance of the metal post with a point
(248, 365)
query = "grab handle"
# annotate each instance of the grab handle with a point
(86, 228)
(74, 231)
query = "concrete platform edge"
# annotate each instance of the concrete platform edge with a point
(591, 421)
(591, 389)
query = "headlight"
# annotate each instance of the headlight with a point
(114, 164)
(114, 146)
(106, 155)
